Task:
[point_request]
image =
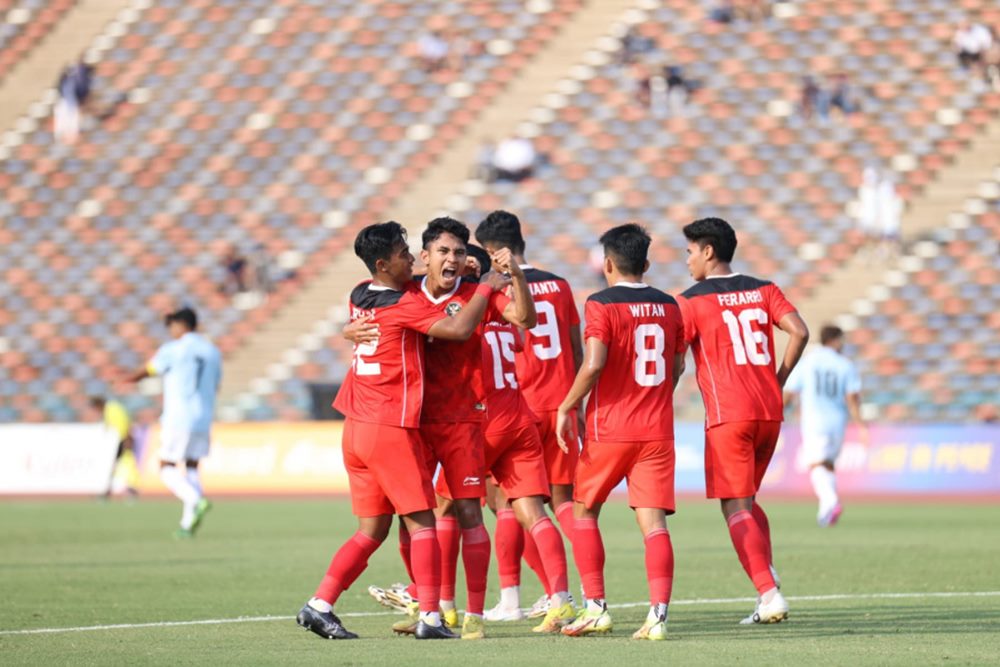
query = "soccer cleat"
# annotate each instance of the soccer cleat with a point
(473, 627)
(593, 620)
(408, 626)
(326, 625)
(500, 614)
(424, 630)
(556, 618)
(394, 597)
(183, 534)
(774, 611)
(540, 608)
(830, 518)
(200, 510)
(655, 627)
(450, 617)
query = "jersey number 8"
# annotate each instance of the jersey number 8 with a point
(646, 355)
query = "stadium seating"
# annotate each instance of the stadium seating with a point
(23, 24)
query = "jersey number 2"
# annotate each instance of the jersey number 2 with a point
(646, 355)
(362, 367)
(749, 345)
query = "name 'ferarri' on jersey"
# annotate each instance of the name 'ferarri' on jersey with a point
(729, 325)
(386, 382)
(642, 329)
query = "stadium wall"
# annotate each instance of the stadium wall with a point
(304, 458)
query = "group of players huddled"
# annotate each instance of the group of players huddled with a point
(477, 369)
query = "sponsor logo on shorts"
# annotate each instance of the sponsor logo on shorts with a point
(471, 481)
(453, 308)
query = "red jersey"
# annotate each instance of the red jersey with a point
(633, 400)
(729, 324)
(506, 407)
(386, 382)
(455, 391)
(545, 368)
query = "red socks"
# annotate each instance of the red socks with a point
(534, 560)
(659, 566)
(426, 555)
(751, 547)
(447, 536)
(765, 528)
(476, 559)
(564, 515)
(588, 551)
(553, 554)
(346, 566)
(509, 537)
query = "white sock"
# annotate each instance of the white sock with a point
(596, 605)
(431, 618)
(510, 597)
(767, 596)
(176, 481)
(322, 606)
(656, 612)
(825, 485)
(447, 605)
(559, 599)
(194, 479)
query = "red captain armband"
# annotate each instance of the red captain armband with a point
(484, 290)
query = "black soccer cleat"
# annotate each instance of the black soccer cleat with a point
(427, 631)
(326, 625)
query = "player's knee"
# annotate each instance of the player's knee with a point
(469, 513)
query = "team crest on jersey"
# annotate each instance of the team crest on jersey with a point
(453, 308)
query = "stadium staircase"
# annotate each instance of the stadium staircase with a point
(957, 191)
(36, 74)
(324, 297)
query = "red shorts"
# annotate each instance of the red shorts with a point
(648, 468)
(386, 469)
(736, 456)
(559, 465)
(460, 448)
(514, 459)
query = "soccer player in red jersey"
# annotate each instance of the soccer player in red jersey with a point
(546, 365)
(633, 357)
(383, 453)
(729, 323)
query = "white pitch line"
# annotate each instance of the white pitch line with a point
(624, 605)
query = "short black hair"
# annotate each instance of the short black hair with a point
(503, 229)
(185, 316)
(379, 241)
(830, 333)
(715, 232)
(97, 402)
(628, 247)
(485, 261)
(439, 226)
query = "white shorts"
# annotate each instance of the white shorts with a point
(180, 446)
(820, 446)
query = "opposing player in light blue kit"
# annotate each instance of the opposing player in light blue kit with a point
(191, 367)
(829, 390)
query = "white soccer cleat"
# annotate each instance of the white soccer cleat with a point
(540, 608)
(830, 517)
(394, 597)
(774, 611)
(501, 614)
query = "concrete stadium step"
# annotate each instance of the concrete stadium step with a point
(949, 193)
(66, 42)
(428, 196)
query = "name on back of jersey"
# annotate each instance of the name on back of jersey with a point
(647, 310)
(740, 298)
(544, 287)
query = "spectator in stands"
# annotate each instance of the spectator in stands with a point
(514, 159)
(812, 99)
(972, 41)
(260, 269)
(643, 85)
(634, 45)
(73, 88)
(433, 50)
(234, 266)
(678, 89)
(844, 96)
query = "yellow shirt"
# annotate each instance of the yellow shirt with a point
(117, 419)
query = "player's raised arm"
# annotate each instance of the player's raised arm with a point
(461, 326)
(594, 358)
(798, 336)
(521, 310)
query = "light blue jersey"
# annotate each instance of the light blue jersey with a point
(823, 379)
(191, 367)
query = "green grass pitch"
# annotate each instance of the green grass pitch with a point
(81, 563)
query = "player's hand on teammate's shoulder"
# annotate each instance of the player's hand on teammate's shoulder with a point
(497, 281)
(362, 330)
